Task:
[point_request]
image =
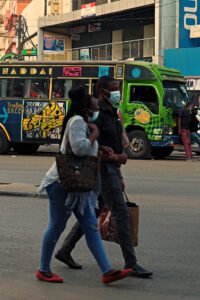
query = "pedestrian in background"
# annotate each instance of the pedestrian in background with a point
(194, 125)
(184, 119)
(82, 139)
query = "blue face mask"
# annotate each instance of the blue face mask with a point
(114, 99)
(94, 116)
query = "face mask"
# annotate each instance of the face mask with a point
(93, 117)
(114, 99)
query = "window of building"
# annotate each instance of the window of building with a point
(100, 2)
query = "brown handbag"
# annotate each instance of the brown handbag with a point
(77, 174)
(107, 226)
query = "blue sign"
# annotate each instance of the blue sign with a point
(136, 72)
(103, 71)
(4, 115)
(189, 15)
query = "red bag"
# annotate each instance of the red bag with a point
(107, 227)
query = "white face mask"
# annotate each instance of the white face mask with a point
(114, 99)
(94, 116)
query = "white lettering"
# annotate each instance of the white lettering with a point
(190, 17)
(192, 9)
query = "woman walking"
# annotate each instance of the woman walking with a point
(82, 139)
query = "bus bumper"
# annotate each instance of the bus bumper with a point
(167, 141)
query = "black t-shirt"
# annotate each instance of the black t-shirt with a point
(110, 129)
(185, 119)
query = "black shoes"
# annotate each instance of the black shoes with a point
(140, 272)
(68, 260)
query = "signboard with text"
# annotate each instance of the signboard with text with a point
(189, 16)
(88, 10)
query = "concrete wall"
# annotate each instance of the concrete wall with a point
(165, 27)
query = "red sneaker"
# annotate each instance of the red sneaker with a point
(48, 277)
(116, 275)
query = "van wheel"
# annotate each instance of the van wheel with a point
(161, 152)
(4, 143)
(25, 148)
(139, 146)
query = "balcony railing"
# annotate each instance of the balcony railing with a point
(134, 49)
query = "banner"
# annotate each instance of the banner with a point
(88, 10)
(54, 43)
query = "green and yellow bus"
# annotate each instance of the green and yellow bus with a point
(34, 101)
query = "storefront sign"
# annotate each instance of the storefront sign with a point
(54, 43)
(94, 27)
(189, 15)
(88, 10)
(77, 29)
(195, 32)
(193, 84)
(75, 37)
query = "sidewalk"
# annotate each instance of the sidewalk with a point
(19, 189)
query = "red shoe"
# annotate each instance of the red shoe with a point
(48, 277)
(116, 275)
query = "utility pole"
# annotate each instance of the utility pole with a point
(45, 7)
(20, 32)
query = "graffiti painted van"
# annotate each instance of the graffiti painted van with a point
(34, 101)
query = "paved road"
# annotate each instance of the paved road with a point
(168, 194)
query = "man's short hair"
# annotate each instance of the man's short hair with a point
(103, 83)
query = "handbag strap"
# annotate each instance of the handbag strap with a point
(126, 197)
(65, 139)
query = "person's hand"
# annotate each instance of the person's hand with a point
(122, 158)
(94, 132)
(122, 185)
(106, 150)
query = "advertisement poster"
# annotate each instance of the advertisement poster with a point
(85, 54)
(54, 43)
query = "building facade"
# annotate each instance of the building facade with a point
(9, 12)
(97, 30)
(91, 30)
(186, 55)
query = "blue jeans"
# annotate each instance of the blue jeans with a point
(195, 137)
(59, 216)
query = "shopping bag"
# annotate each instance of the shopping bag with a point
(107, 226)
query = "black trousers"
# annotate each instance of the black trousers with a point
(112, 195)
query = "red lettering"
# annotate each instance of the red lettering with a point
(72, 71)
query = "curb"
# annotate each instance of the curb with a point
(21, 194)
(20, 190)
